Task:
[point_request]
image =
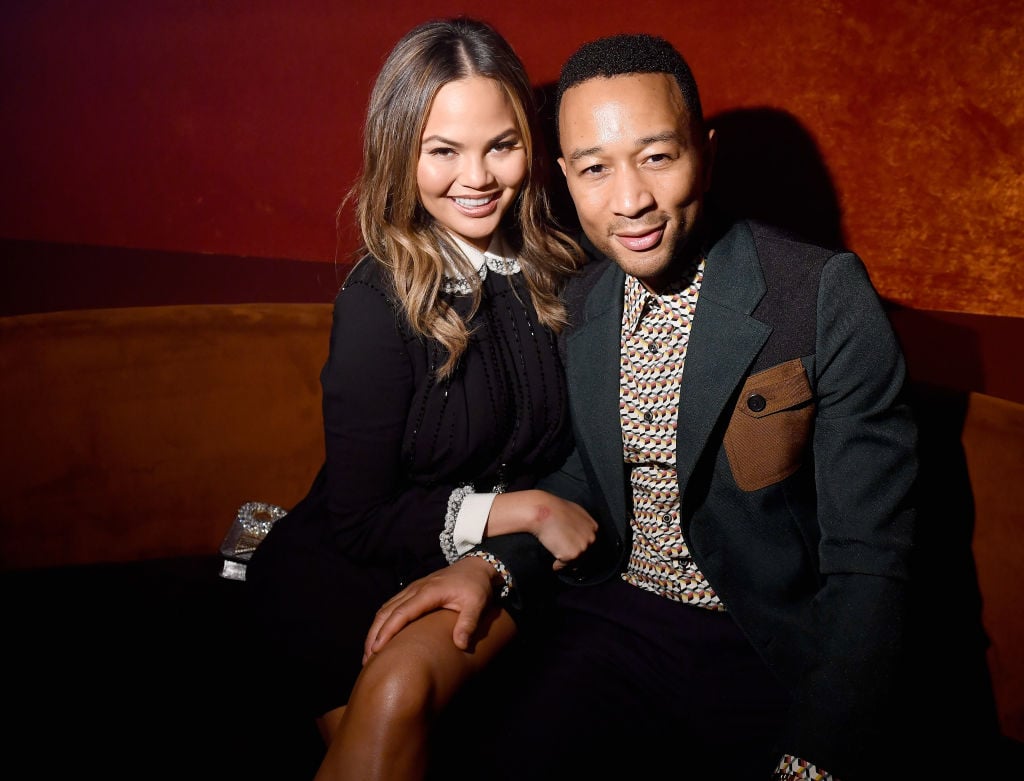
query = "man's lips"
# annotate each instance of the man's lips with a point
(642, 241)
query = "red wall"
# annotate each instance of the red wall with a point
(232, 127)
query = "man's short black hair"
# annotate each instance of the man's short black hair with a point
(625, 54)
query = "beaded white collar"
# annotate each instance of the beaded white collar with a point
(496, 258)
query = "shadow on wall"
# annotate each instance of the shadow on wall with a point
(768, 168)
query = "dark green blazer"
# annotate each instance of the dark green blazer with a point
(796, 455)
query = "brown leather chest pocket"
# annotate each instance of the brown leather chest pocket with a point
(770, 425)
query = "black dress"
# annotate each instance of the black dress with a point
(398, 442)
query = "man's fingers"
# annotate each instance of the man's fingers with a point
(399, 617)
(465, 626)
(390, 619)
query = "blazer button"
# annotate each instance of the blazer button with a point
(756, 402)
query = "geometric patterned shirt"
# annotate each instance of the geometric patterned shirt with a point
(652, 351)
(655, 333)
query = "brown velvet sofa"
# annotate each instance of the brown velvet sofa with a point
(131, 436)
(139, 431)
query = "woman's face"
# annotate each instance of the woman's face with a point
(472, 159)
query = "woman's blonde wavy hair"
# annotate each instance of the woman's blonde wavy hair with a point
(395, 227)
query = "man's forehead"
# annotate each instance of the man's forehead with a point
(648, 88)
(634, 105)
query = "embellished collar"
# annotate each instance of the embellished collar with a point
(497, 258)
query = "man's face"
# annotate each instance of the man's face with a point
(636, 170)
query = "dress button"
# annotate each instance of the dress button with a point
(756, 402)
(648, 417)
(666, 518)
(652, 347)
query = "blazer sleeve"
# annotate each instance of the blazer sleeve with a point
(530, 563)
(865, 466)
(375, 512)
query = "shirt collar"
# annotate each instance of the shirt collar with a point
(634, 303)
(496, 250)
(638, 298)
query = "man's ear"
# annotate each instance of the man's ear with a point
(710, 148)
(561, 164)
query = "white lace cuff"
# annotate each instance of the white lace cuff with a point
(447, 537)
(465, 519)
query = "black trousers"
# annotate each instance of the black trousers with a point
(618, 683)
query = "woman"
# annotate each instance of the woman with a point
(442, 390)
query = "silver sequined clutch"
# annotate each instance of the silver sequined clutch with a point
(252, 522)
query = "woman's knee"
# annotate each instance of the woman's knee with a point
(396, 685)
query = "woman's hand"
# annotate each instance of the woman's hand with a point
(561, 526)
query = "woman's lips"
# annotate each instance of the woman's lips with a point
(642, 242)
(477, 207)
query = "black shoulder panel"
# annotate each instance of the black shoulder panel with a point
(792, 272)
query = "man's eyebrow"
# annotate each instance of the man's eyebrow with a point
(578, 153)
(667, 135)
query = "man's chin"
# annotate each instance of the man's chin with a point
(642, 265)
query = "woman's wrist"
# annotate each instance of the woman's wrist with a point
(516, 512)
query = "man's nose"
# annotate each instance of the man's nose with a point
(631, 195)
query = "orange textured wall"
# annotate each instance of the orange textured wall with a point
(233, 127)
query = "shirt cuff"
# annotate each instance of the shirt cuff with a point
(507, 583)
(791, 768)
(457, 541)
(471, 521)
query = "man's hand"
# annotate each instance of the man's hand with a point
(466, 587)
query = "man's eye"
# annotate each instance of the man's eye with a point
(593, 169)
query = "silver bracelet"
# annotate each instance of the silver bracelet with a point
(499, 567)
(447, 535)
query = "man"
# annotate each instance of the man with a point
(743, 443)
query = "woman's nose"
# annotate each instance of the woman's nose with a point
(475, 173)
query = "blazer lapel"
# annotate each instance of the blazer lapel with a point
(592, 369)
(724, 340)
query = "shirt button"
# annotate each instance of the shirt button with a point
(652, 347)
(756, 402)
(648, 417)
(666, 518)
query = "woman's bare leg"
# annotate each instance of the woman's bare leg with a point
(384, 730)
